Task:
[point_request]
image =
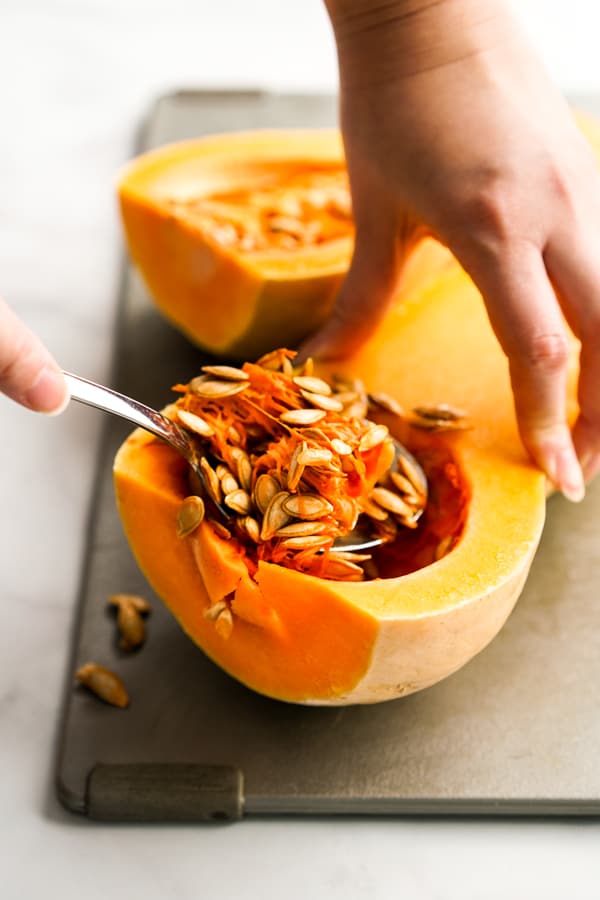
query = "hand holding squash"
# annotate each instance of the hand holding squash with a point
(451, 127)
(28, 374)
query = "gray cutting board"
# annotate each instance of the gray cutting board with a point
(515, 731)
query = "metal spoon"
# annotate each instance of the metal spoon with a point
(100, 397)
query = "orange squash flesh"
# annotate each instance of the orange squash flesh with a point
(304, 639)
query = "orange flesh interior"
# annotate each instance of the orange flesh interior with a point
(286, 209)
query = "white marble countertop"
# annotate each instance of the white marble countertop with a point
(75, 77)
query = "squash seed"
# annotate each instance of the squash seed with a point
(390, 501)
(373, 437)
(224, 624)
(213, 485)
(321, 401)
(306, 506)
(313, 456)
(312, 384)
(350, 556)
(275, 516)
(441, 412)
(413, 474)
(212, 612)
(189, 515)
(387, 402)
(239, 501)
(251, 527)
(131, 627)
(308, 367)
(296, 468)
(341, 568)
(195, 423)
(302, 416)
(373, 510)
(142, 605)
(444, 546)
(219, 529)
(220, 389)
(302, 529)
(229, 484)
(103, 683)
(229, 373)
(264, 490)
(341, 447)
(243, 469)
(405, 486)
(306, 542)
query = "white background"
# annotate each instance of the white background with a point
(75, 76)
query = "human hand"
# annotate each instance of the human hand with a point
(452, 128)
(28, 373)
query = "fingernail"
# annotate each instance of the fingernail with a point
(567, 475)
(48, 394)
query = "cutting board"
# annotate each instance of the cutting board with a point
(513, 732)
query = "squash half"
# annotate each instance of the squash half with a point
(229, 301)
(308, 640)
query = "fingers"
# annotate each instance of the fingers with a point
(576, 273)
(527, 319)
(363, 298)
(28, 374)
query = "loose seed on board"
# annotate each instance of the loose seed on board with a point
(306, 506)
(390, 501)
(312, 384)
(321, 401)
(229, 373)
(195, 423)
(264, 490)
(142, 605)
(189, 515)
(387, 402)
(103, 683)
(373, 437)
(239, 501)
(220, 389)
(131, 627)
(302, 416)
(275, 516)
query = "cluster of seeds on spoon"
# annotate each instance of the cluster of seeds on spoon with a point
(296, 462)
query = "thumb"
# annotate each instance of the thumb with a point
(363, 299)
(28, 373)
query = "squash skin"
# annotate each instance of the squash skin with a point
(306, 640)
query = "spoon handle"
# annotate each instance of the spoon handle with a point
(92, 394)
